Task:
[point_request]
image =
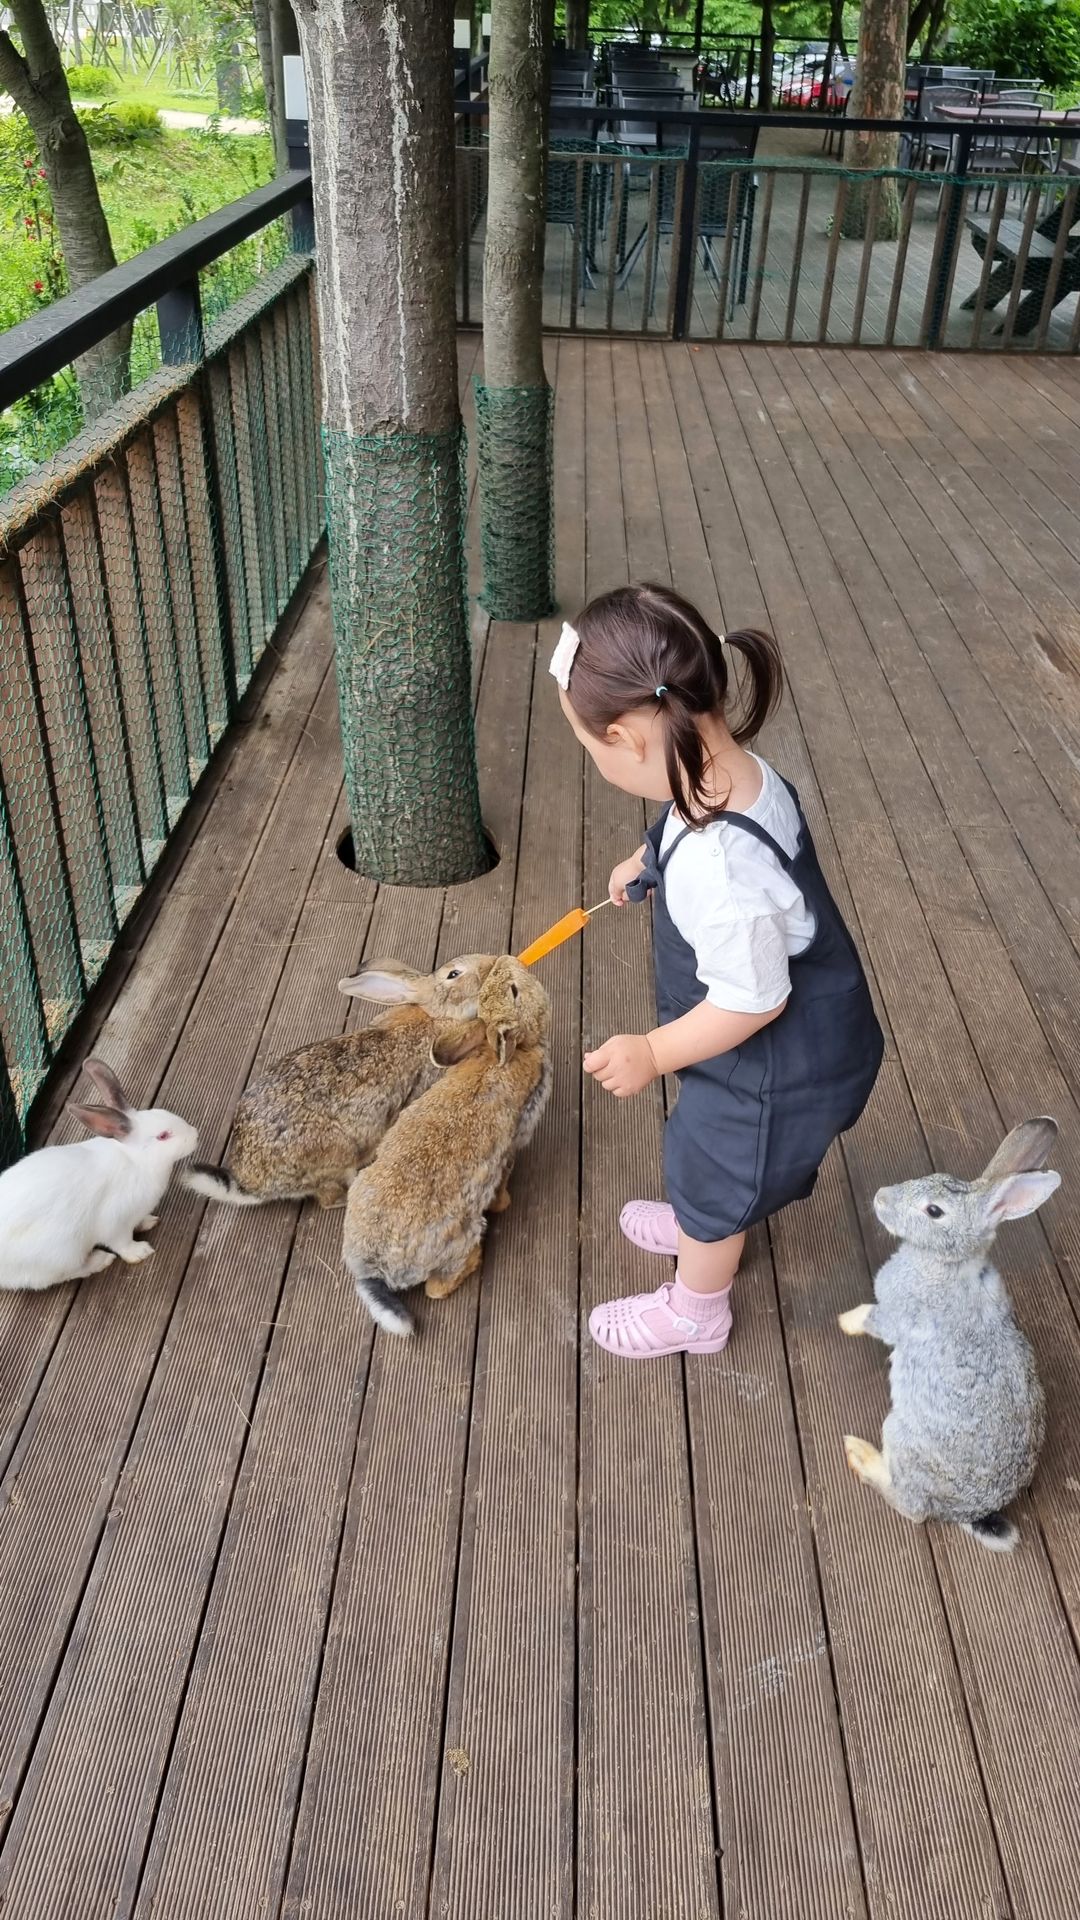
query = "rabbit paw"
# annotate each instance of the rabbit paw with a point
(501, 1200)
(137, 1251)
(854, 1321)
(866, 1463)
(438, 1286)
(151, 1220)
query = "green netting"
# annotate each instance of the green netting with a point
(142, 572)
(396, 521)
(514, 455)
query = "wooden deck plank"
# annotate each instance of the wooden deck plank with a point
(103, 1365)
(872, 862)
(641, 1688)
(975, 787)
(400, 1547)
(519, 1527)
(882, 1601)
(774, 1726)
(1022, 665)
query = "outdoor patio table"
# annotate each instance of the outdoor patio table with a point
(1045, 116)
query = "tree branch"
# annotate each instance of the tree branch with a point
(14, 72)
(41, 57)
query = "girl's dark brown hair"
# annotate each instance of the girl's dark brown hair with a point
(646, 646)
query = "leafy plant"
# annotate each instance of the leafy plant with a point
(1020, 38)
(120, 123)
(90, 83)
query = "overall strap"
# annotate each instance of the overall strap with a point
(758, 832)
(661, 862)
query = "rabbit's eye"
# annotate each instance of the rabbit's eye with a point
(936, 1213)
(454, 973)
(513, 991)
(165, 1136)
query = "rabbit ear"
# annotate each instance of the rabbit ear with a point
(458, 1043)
(1023, 1150)
(504, 1045)
(104, 1120)
(107, 1085)
(384, 980)
(1023, 1193)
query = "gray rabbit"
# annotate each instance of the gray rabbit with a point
(967, 1419)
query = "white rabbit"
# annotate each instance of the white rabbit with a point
(66, 1212)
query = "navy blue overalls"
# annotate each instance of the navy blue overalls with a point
(751, 1127)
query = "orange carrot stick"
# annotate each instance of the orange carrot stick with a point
(571, 923)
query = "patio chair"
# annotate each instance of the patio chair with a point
(567, 146)
(713, 208)
(1007, 248)
(930, 150)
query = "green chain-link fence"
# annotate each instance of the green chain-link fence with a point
(142, 572)
(514, 456)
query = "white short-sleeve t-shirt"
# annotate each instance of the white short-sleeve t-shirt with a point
(731, 900)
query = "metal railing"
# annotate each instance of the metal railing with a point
(700, 236)
(142, 572)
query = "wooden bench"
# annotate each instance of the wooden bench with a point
(1008, 246)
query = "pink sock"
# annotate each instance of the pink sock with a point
(712, 1311)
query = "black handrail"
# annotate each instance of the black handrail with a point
(50, 340)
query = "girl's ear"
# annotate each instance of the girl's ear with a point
(622, 734)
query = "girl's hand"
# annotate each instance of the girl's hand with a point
(623, 874)
(624, 1065)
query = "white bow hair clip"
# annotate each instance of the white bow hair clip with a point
(563, 657)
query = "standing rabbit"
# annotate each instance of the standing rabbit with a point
(67, 1212)
(967, 1419)
(416, 1216)
(317, 1116)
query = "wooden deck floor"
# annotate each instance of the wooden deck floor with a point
(298, 1621)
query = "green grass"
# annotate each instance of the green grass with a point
(169, 88)
(151, 186)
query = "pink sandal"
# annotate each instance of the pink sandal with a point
(651, 1224)
(671, 1320)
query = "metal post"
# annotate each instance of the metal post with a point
(699, 27)
(950, 213)
(687, 227)
(751, 61)
(298, 145)
(180, 324)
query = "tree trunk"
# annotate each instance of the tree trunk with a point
(270, 70)
(229, 79)
(380, 94)
(878, 94)
(765, 66)
(577, 25)
(514, 402)
(37, 83)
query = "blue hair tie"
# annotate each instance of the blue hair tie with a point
(660, 691)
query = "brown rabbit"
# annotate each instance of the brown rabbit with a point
(415, 1216)
(318, 1115)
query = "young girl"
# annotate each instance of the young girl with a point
(765, 1014)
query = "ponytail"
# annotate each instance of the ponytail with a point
(762, 685)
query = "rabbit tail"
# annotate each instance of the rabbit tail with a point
(217, 1183)
(995, 1531)
(384, 1306)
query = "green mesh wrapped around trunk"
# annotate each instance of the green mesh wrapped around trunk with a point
(396, 516)
(514, 430)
